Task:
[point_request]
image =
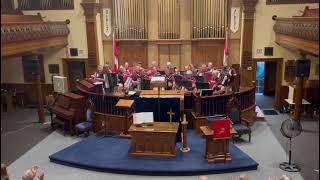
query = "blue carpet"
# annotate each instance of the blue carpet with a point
(112, 154)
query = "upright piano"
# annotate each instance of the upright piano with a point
(70, 108)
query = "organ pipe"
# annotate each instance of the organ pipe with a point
(209, 18)
(130, 19)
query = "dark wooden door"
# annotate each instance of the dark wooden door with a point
(270, 78)
(33, 65)
(76, 72)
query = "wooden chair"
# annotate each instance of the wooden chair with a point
(86, 126)
(240, 124)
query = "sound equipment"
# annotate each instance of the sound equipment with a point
(302, 68)
(60, 84)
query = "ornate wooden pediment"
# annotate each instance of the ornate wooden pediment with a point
(299, 33)
(23, 34)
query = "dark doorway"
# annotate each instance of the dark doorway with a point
(76, 72)
(270, 78)
(266, 81)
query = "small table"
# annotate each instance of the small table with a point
(156, 140)
(217, 150)
(292, 103)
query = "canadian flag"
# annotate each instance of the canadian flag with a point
(115, 53)
(226, 50)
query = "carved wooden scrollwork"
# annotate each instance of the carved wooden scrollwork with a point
(22, 32)
(304, 28)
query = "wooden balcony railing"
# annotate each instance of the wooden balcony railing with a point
(290, 1)
(25, 34)
(299, 32)
(300, 27)
(32, 31)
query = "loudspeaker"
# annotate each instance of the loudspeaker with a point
(302, 68)
(268, 51)
(73, 51)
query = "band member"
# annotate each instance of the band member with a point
(188, 77)
(98, 75)
(203, 70)
(127, 68)
(154, 66)
(193, 69)
(210, 67)
(107, 68)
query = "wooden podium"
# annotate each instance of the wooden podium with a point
(156, 140)
(217, 150)
(127, 105)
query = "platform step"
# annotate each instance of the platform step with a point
(260, 115)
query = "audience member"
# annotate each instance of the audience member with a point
(4, 173)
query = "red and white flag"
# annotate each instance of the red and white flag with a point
(226, 50)
(115, 53)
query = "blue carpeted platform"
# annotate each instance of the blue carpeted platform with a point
(112, 154)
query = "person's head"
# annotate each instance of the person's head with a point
(4, 173)
(210, 65)
(284, 177)
(186, 68)
(100, 68)
(188, 73)
(203, 178)
(30, 174)
(243, 177)
(126, 65)
(169, 64)
(153, 63)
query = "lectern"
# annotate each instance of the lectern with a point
(159, 82)
(127, 106)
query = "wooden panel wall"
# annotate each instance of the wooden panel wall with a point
(207, 51)
(29, 91)
(133, 52)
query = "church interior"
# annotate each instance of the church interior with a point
(160, 89)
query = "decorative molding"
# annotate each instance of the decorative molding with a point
(23, 32)
(304, 28)
(272, 2)
(299, 32)
(249, 8)
(91, 9)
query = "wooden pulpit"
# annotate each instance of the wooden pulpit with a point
(217, 149)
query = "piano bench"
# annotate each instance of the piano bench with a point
(60, 122)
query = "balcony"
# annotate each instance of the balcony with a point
(299, 33)
(23, 34)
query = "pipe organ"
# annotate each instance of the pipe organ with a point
(130, 19)
(169, 19)
(209, 18)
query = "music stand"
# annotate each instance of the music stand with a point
(206, 92)
(182, 72)
(162, 73)
(178, 80)
(199, 78)
(202, 85)
(187, 85)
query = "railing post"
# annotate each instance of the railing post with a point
(197, 103)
